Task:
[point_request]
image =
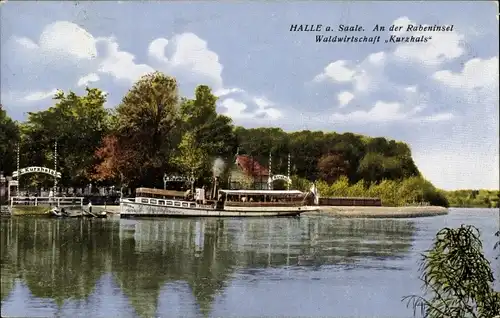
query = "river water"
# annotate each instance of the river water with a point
(310, 266)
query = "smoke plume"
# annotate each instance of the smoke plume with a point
(218, 167)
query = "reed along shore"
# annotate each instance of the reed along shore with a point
(380, 211)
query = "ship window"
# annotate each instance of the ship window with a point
(153, 202)
(161, 202)
(193, 205)
(144, 200)
(184, 204)
(169, 203)
(177, 204)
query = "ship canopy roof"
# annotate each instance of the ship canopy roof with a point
(262, 192)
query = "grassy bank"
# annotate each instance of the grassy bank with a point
(380, 212)
(30, 210)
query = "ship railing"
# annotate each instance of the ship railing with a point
(46, 201)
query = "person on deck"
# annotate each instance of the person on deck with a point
(90, 206)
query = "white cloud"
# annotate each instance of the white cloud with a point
(411, 89)
(227, 91)
(89, 78)
(364, 76)
(265, 108)
(401, 22)
(476, 85)
(344, 98)
(442, 47)
(235, 109)
(440, 117)
(239, 110)
(387, 112)
(40, 95)
(121, 64)
(63, 39)
(476, 73)
(382, 111)
(189, 55)
(185, 56)
(369, 79)
(377, 58)
(337, 71)
(26, 43)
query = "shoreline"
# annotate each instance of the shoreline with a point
(353, 211)
(380, 212)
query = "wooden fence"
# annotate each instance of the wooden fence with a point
(350, 201)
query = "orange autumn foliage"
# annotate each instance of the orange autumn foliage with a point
(116, 160)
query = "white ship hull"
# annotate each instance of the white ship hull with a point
(129, 208)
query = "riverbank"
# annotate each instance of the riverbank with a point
(380, 212)
(336, 211)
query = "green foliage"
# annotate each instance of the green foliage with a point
(78, 124)
(411, 191)
(474, 198)
(497, 244)
(300, 183)
(327, 156)
(191, 158)
(138, 141)
(214, 133)
(457, 277)
(144, 132)
(157, 133)
(9, 135)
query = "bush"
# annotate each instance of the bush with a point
(457, 277)
(413, 190)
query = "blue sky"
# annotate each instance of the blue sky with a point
(441, 96)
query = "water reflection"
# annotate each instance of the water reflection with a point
(176, 266)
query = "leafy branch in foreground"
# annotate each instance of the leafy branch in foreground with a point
(457, 277)
(497, 244)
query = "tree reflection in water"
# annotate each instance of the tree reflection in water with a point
(65, 259)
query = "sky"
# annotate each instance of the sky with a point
(439, 96)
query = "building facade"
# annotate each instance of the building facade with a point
(248, 173)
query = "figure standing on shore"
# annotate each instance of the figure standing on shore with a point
(90, 206)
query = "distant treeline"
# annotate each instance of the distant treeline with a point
(155, 131)
(473, 198)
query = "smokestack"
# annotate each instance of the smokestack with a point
(217, 169)
(216, 185)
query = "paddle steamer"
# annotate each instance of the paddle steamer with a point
(221, 202)
(229, 203)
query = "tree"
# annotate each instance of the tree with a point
(213, 132)
(371, 168)
(77, 123)
(145, 126)
(9, 136)
(191, 158)
(332, 166)
(457, 277)
(116, 163)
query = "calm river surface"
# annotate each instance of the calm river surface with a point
(312, 266)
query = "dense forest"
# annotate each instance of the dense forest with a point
(154, 130)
